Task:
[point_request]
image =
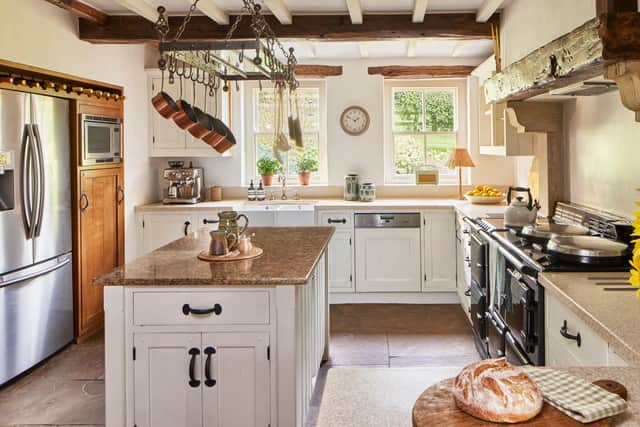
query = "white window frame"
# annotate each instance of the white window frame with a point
(317, 178)
(462, 139)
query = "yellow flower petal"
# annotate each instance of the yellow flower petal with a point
(635, 278)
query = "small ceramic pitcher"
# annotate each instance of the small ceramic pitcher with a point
(228, 221)
(221, 242)
(244, 245)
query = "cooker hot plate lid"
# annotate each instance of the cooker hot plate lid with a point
(546, 230)
(587, 246)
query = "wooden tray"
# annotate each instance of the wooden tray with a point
(436, 407)
(231, 256)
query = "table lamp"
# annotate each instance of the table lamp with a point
(460, 158)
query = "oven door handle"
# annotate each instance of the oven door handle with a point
(511, 342)
(520, 266)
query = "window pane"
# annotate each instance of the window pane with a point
(439, 147)
(311, 149)
(407, 110)
(408, 152)
(309, 105)
(265, 118)
(440, 110)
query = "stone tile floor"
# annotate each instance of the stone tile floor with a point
(68, 389)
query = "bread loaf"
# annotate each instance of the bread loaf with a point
(493, 390)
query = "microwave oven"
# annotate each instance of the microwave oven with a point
(101, 139)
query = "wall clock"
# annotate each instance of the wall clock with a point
(354, 120)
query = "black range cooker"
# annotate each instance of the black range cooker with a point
(507, 301)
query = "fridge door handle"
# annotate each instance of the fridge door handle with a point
(25, 183)
(35, 270)
(40, 182)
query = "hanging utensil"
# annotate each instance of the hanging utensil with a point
(292, 135)
(281, 141)
(162, 101)
(218, 133)
(297, 125)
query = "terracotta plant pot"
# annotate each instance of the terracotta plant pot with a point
(267, 180)
(304, 178)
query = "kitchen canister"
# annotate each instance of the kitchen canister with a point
(367, 192)
(351, 187)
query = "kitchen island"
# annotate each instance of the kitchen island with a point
(215, 344)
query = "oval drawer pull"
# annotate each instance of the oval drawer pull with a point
(186, 310)
(337, 221)
(567, 335)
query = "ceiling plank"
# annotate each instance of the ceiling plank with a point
(419, 10)
(457, 50)
(364, 49)
(82, 10)
(318, 70)
(421, 72)
(279, 9)
(411, 48)
(355, 11)
(309, 49)
(487, 9)
(213, 11)
(140, 7)
(126, 29)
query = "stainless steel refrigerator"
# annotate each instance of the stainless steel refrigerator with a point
(36, 288)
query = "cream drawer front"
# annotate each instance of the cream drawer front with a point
(592, 350)
(338, 219)
(217, 308)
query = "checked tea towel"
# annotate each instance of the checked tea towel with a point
(574, 396)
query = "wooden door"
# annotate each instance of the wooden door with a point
(439, 251)
(167, 391)
(341, 262)
(101, 213)
(161, 229)
(387, 260)
(239, 366)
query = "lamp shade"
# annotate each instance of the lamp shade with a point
(460, 157)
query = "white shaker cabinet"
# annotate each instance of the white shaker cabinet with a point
(388, 260)
(159, 229)
(341, 250)
(438, 251)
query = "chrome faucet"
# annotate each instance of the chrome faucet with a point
(282, 178)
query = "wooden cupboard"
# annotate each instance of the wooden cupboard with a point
(101, 237)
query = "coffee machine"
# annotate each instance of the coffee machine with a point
(184, 185)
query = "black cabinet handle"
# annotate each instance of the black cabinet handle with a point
(337, 221)
(210, 221)
(467, 293)
(186, 227)
(193, 352)
(84, 198)
(186, 310)
(209, 382)
(567, 335)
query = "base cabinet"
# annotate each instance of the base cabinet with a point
(341, 262)
(209, 379)
(438, 251)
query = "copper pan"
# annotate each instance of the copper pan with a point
(185, 118)
(165, 105)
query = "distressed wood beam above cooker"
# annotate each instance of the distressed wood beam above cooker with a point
(126, 29)
(582, 54)
(421, 72)
(82, 10)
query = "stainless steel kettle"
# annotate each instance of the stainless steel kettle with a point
(520, 213)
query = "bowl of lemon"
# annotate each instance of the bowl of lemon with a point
(485, 195)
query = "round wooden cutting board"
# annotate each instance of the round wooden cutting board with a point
(436, 407)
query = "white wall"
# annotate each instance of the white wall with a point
(37, 33)
(602, 136)
(363, 154)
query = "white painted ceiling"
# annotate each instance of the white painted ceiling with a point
(422, 48)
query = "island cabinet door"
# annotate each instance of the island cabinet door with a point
(341, 262)
(161, 229)
(168, 380)
(236, 379)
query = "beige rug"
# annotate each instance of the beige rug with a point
(375, 397)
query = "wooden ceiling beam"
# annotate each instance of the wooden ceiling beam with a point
(212, 10)
(613, 6)
(279, 9)
(82, 10)
(125, 29)
(487, 9)
(419, 10)
(140, 7)
(421, 72)
(355, 11)
(318, 70)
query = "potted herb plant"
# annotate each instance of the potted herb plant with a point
(306, 162)
(268, 167)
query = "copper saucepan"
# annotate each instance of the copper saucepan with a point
(197, 128)
(165, 105)
(228, 141)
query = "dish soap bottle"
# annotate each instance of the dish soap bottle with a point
(260, 193)
(251, 192)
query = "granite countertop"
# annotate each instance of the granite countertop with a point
(290, 255)
(612, 315)
(323, 204)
